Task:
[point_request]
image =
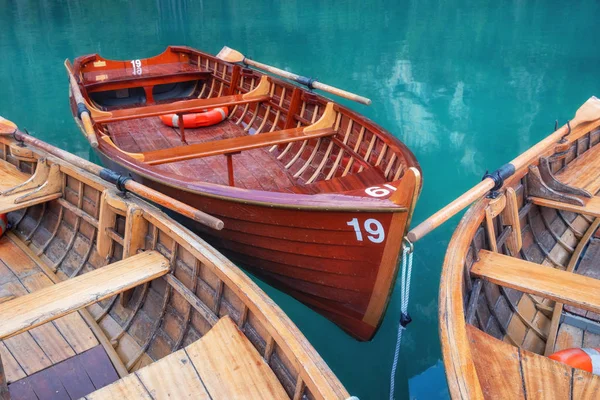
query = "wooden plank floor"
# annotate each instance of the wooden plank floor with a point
(223, 364)
(50, 343)
(70, 379)
(254, 169)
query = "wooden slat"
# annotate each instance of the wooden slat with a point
(561, 286)
(11, 176)
(129, 387)
(544, 378)
(178, 107)
(173, 377)
(592, 206)
(231, 367)
(49, 303)
(7, 203)
(497, 368)
(233, 145)
(584, 387)
(584, 171)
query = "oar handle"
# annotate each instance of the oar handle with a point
(484, 186)
(129, 184)
(82, 109)
(310, 82)
(450, 210)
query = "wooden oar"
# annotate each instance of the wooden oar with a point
(234, 56)
(82, 110)
(120, 180)
(589, 111)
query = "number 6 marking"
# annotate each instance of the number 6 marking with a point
(372, 226)
(377, 191)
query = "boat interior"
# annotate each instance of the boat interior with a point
(277, 137)
(528, 262)
(104, 296)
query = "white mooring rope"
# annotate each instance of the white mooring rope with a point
(405, 276)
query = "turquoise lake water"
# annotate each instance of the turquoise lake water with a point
(467, 85)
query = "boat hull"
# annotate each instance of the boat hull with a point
(312, 254)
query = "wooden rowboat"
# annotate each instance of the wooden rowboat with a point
(520, 278)
(315, 197)
(105, 296)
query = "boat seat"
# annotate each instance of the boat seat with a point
(178, 107)
(561, 286)
(223, 364)
(583, 172)
(591, 207)
(49, 303)
(233, 145)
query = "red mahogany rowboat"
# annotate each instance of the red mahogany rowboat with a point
(315, 198)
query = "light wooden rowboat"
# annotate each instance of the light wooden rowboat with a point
(520, 278)
(315, 197)
(105, 296)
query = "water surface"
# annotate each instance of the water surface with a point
(467, 85)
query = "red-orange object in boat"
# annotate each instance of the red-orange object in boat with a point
(196, 120)
(585, 359)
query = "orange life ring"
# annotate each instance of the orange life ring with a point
(207, 118)
(3, 224)
(586, 359)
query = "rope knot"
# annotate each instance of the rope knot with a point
(405, 319)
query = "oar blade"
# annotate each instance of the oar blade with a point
(7, 127)
(230, 55)
(589, 111)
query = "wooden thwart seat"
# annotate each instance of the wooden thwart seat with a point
(259, 94)
(49, 303)
(223, 364)
(591, 207)
(8, 203)
(564, 287)
(233, 145)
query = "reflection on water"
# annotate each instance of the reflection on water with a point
(466, 85)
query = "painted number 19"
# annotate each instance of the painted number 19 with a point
(137, 67)
(375, 231)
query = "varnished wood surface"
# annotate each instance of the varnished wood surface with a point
(254, 169)
(54, 301)
(565, 287)
(591, 207)
(323, 181)
(507, 372)
(221, 365)
(183, 106)
(511, 295)
(233, 145)
(59, 242)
